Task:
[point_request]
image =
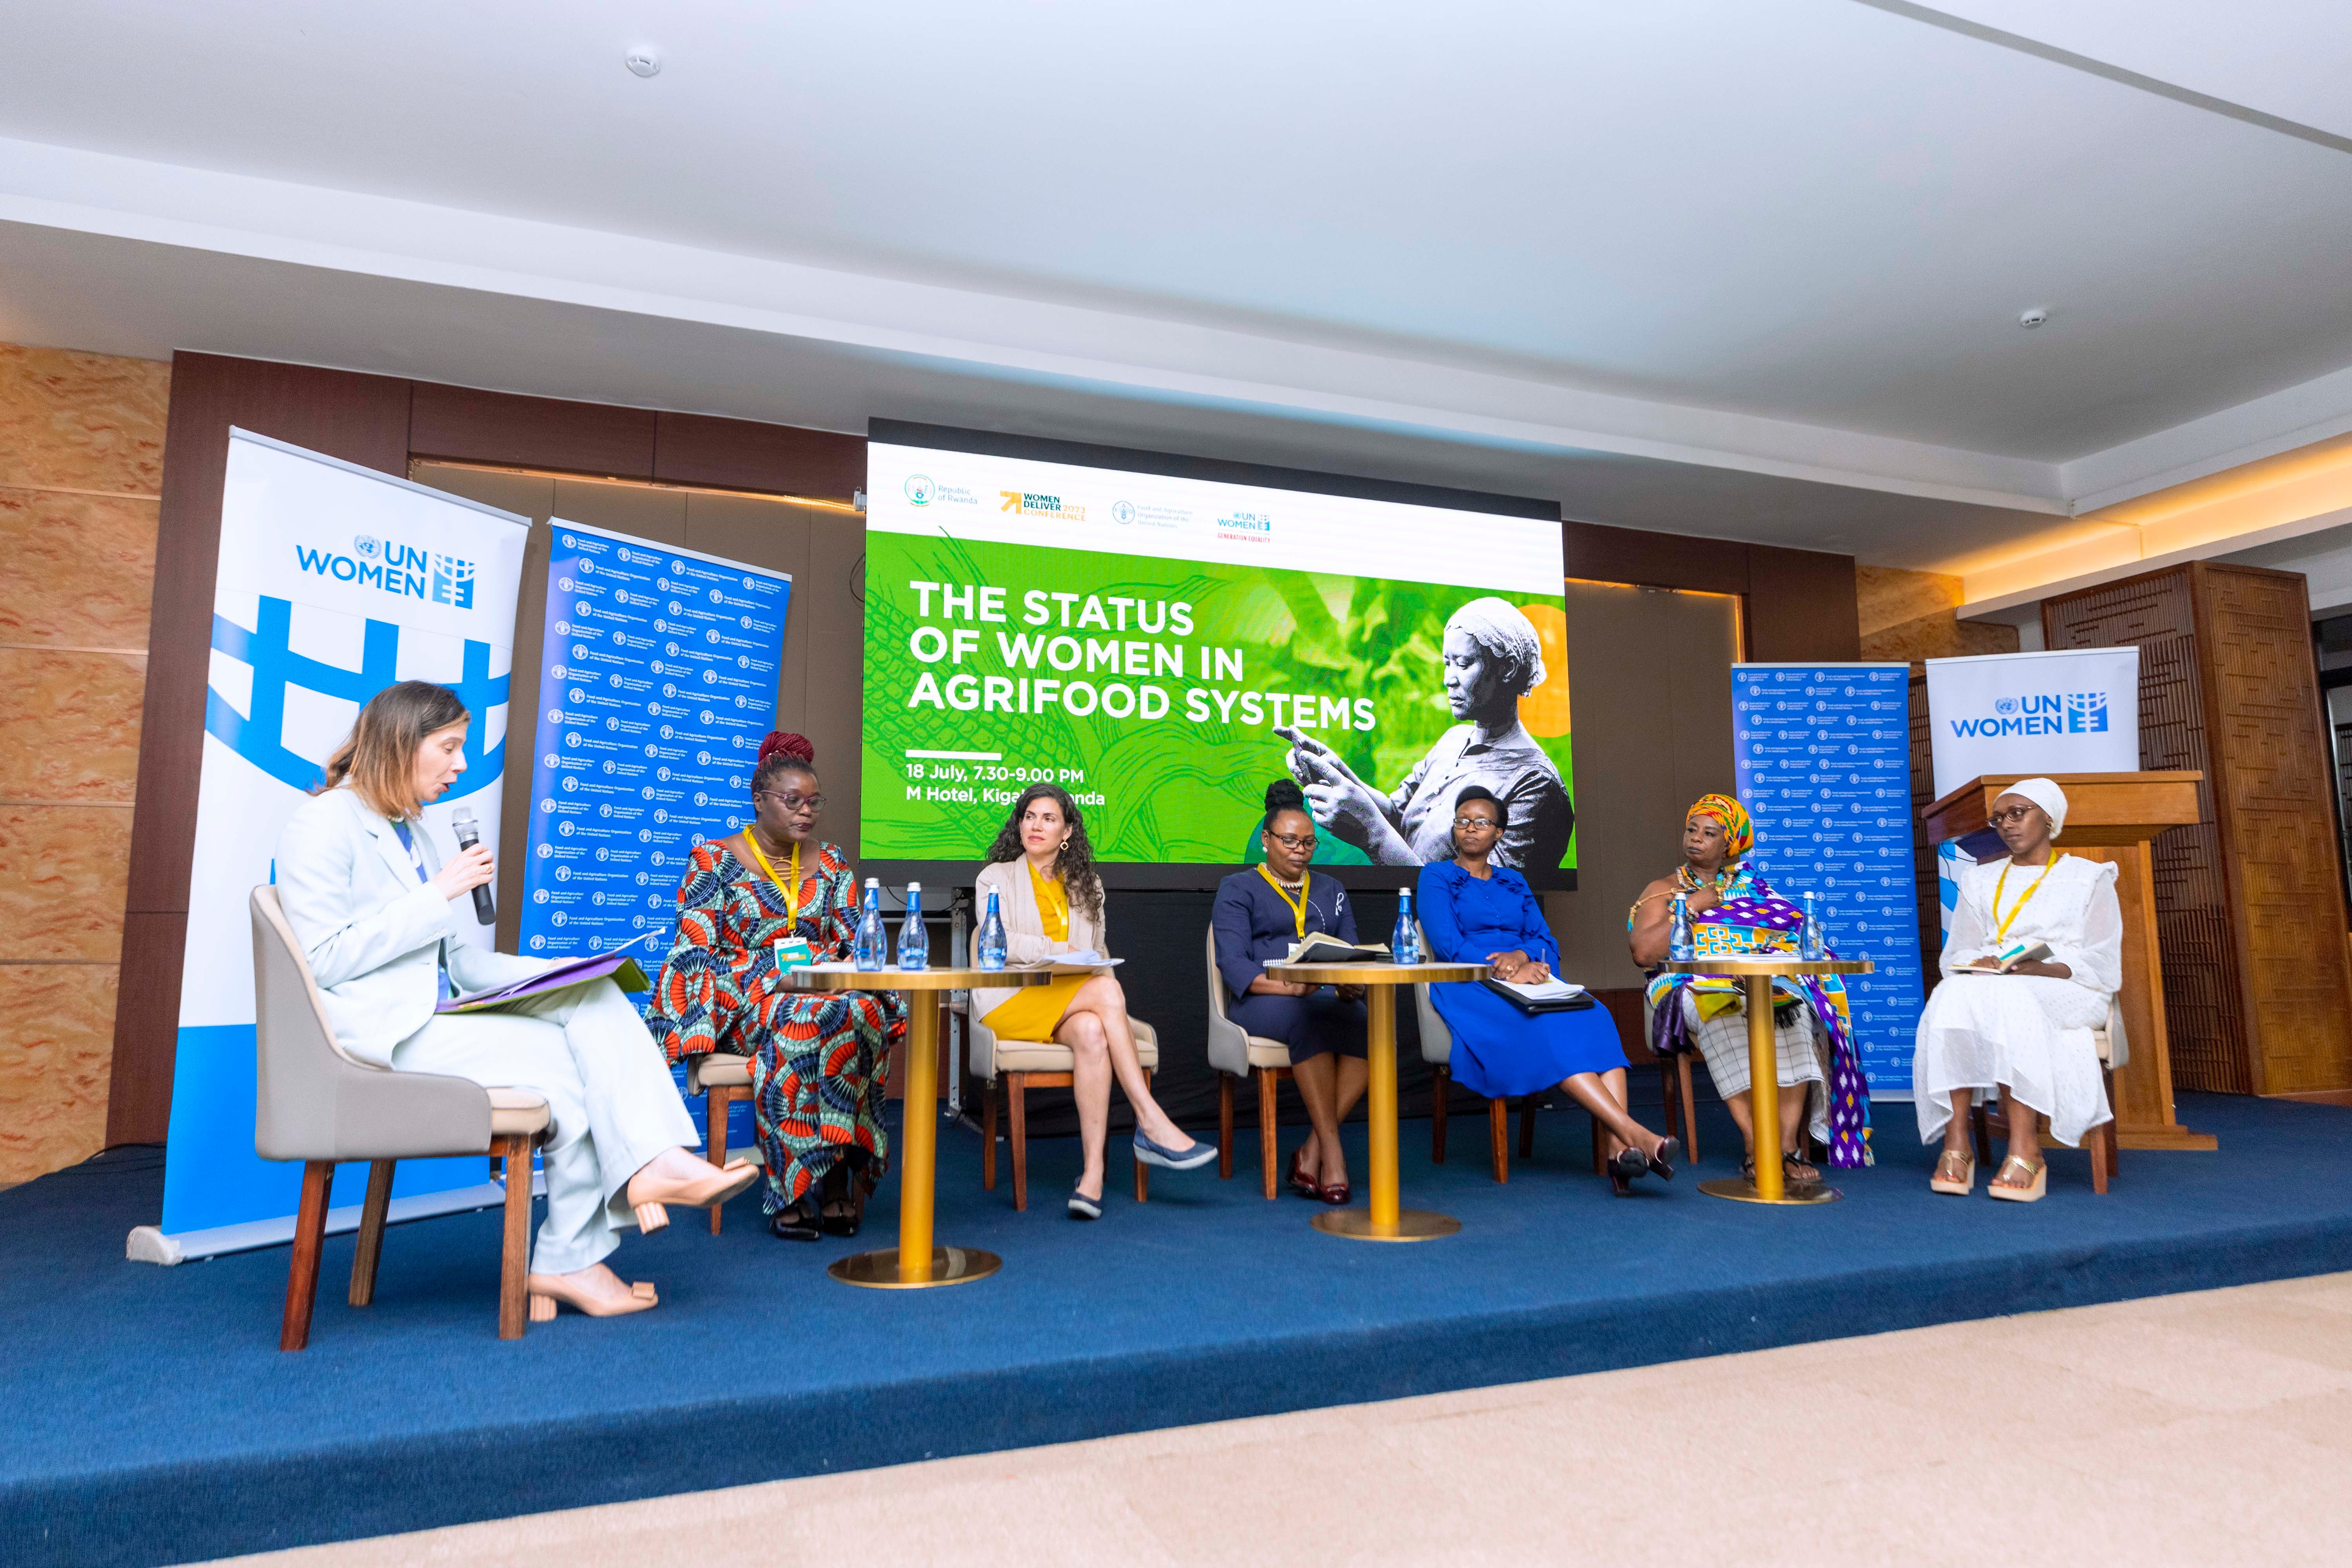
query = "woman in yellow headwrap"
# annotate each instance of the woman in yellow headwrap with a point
(1733, 910)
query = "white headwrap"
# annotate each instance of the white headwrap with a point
(1504, 631)
(2046, 793)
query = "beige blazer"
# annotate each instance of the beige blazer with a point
(1024, 927)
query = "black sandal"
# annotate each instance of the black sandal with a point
(797, 1223)
(839, 1189)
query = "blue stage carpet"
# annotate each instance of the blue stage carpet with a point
(151, 1418)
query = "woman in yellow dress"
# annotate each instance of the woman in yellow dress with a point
(1042, 870)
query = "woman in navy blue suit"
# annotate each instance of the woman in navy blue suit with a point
(1475, 911)
(1260, 913)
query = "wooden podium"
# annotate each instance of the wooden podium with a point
(2112, 816)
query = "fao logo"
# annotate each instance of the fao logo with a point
(920, 491)
(1122, 511)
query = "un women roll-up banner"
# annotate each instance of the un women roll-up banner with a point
(2067, 710)
(657, 682)
(1823, 760)
(334, 582)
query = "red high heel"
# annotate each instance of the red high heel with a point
(1300, 1181)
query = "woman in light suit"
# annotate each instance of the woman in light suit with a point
(371, 901)
(1042, 870)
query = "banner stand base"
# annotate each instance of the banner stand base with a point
(150, 1244)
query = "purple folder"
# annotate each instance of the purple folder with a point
(622, 969)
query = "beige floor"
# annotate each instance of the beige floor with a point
(2213, 1427)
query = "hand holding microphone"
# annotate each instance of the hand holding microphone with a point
(472, 868)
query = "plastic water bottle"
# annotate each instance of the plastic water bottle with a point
(988, 948)
(1810, 944)
(913, 942)
(1404, 942)
(871, 949)
(1680, 945)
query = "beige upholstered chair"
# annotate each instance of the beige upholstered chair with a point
(726, 1079)
(314, 1103)
(1236, 1053)
(2115, 1050)
(1024, 1064)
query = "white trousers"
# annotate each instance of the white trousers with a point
(2028, 1031)
(614, 1104)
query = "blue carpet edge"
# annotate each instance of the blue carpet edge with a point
(182, 1513)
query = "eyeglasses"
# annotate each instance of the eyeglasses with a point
(794, 802)
(1295, 842)
(2014, 814)
(1464, 824)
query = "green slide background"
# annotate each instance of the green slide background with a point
(1174, 791)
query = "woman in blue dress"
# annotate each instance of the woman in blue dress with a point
(1261, 914)
(1476, 911)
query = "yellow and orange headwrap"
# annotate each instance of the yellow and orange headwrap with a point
(1738, 832)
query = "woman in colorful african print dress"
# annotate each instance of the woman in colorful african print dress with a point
(1734, 910)
(819, 1062)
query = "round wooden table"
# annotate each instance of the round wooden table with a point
(1755, 975)
(1384, 1220)
(915, 1263)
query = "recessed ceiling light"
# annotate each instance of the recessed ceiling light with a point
(644, 62)
(2033, 317)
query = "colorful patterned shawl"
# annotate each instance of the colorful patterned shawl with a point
(1753, 918)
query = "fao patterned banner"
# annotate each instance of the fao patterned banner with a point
(1824, 768)
(657, 682)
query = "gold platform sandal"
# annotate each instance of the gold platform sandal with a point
(1956, 1172)
(2032, 1193)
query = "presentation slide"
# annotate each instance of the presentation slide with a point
(1165, 648)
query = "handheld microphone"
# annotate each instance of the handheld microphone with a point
(461, 823)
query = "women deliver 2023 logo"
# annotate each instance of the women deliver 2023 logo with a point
(2039, 713)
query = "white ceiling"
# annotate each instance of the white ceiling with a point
(1744, 270)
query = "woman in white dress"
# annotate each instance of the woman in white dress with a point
(2026, 1033)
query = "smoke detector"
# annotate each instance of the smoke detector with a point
(644, 62)
(2029, 318)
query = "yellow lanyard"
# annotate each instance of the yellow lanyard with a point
(2001, 927)
(1053, 906)
(791, 890)
(1297, 905)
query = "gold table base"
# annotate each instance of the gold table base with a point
(949, 1266)
(1740, 1190)
(1412, 1224)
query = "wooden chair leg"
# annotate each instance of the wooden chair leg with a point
(1438, 1077)
(1142, 1171)
(1527, 1127)
(1016, 1106)
(1498, 1137)
(1979, 1126)
(715, 1102)
(1689, 1105)
(514, 1262)
(1224, 1127)
(302, 1269)
(988, 1136)
(371, 1247)
(1266, 1151)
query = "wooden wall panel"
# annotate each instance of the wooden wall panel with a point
(1800, 605)
(1599, 553)
(467, 425)
(361, 419)
(741, 455)
(2263, 685)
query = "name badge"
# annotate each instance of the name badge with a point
(794, 952)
